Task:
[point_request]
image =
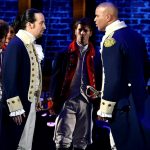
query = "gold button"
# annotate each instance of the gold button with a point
(103, 103)
(109, 105)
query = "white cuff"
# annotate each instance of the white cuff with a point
(17, 113)
(99, 113)
(14, 104)
(106, 106)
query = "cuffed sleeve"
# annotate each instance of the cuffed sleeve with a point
(106, 107)
(16, 113)
(14, 104)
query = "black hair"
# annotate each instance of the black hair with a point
(3, 29)
(16, 24)
(28, 16)
(84, 22)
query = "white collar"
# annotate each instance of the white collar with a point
(26, 36)
(115, 26)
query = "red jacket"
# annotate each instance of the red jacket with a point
(72, 58)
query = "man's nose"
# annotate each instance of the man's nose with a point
(82, 32)
(44, 26)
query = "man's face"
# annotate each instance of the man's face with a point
(9, 35)
(2, 41)
(38, 27)
(83, 34)
(100, 18)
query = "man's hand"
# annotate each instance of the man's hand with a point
(19, 119)
(52, 112)
(39, 106)
(50, 106)
(103, 118)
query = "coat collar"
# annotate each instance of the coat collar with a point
(115, 26)
(25, 36)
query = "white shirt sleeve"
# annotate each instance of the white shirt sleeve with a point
(17, 113)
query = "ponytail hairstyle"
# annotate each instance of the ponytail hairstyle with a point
(28, 16)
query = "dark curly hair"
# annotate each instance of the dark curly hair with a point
(3, 29)
(85, 22)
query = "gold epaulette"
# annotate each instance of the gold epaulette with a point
(109, 42)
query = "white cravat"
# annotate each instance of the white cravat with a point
(39, 52)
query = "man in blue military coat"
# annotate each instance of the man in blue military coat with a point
(124, 92)
(21, 84)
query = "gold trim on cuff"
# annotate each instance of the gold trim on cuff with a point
(14, 104)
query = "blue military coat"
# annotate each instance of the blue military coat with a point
(18, 86)
(123, 57)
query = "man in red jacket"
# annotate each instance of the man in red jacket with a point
(74, 122)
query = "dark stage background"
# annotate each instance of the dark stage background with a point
(60, 16)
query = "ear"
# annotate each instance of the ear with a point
(75, 32)
(30, 25)
(91, 33)
(109, 17)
